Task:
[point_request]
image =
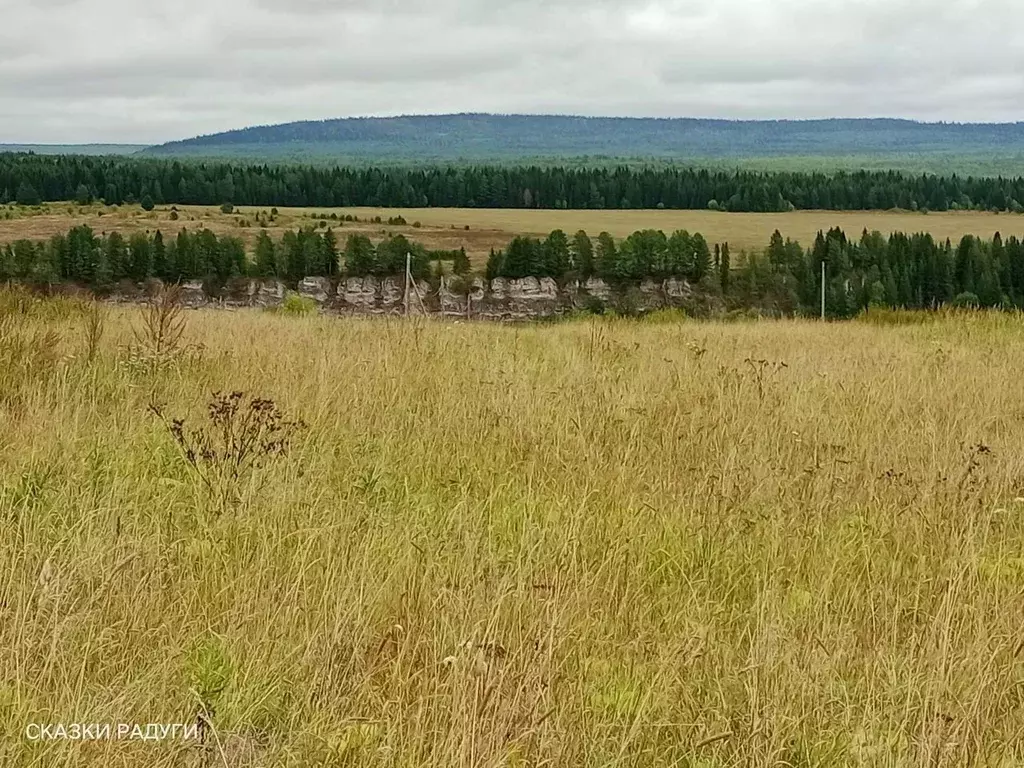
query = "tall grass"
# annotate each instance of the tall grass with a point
(596, 543)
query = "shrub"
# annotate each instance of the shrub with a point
(297, 306)
(82, 195)
(242, 435)
(162, 329)
(147, 203)
(967, 300)
(595, 305)
(227, 208)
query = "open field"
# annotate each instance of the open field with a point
(445, 228)
(740, 230)
(598, 543)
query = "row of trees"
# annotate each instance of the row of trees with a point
(30, 179)
(911, 271)
(644, 254)
(81, 256)
(901, 271)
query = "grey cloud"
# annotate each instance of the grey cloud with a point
(119, 70)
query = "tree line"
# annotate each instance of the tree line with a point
(101, 260)
(29, 179)
(900, 271)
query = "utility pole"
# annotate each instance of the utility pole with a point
(408, 273)
(822, 289)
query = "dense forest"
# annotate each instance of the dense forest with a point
(514, 137)
(908, 271)
(30, 179)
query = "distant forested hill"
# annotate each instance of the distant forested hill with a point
(74, 149)
(515, 137)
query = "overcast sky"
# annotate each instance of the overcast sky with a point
(141, 71)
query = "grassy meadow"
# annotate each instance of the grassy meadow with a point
(479, 230)
(595, 543)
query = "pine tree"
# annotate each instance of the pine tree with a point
(161, 268)
(556, 255)
(27, 195)
(330, 252)
(582, 255)
(701, 257)
(266, 257)
(140, 257)
(679, 254)
(606, 261)
(116, 251)
(460, 264)
(360, 256)
(495, 264)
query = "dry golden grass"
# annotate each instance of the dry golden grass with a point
(55, 218)
(749, 231)
(445, 228)
(599, 543)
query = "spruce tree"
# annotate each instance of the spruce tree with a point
(140, 257)
(265, 257)
(701, 257)
(583, 255)
(160, 265)
(460, 264)
(360, 256)
(556, 255)
(495, 264)
(27, 195)
(330, 252)
(606, 261)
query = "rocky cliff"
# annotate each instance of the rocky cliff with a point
(499, 299)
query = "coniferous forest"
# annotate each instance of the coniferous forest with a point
(30, 179)
(901, 271)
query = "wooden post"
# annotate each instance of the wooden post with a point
(408, 273)
(822, 289)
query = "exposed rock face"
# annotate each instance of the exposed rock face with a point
(598, 288)
(269, 293)
(500, 299)
(499, 289)
(453, 303)
(359, 293)
(477, 289)
(316, 288)
(239, 291)
(677, 289)
(392, 293)
(193, 295)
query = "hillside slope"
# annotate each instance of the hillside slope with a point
(510, 137)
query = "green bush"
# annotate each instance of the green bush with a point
(297, 306)
(967, 300)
